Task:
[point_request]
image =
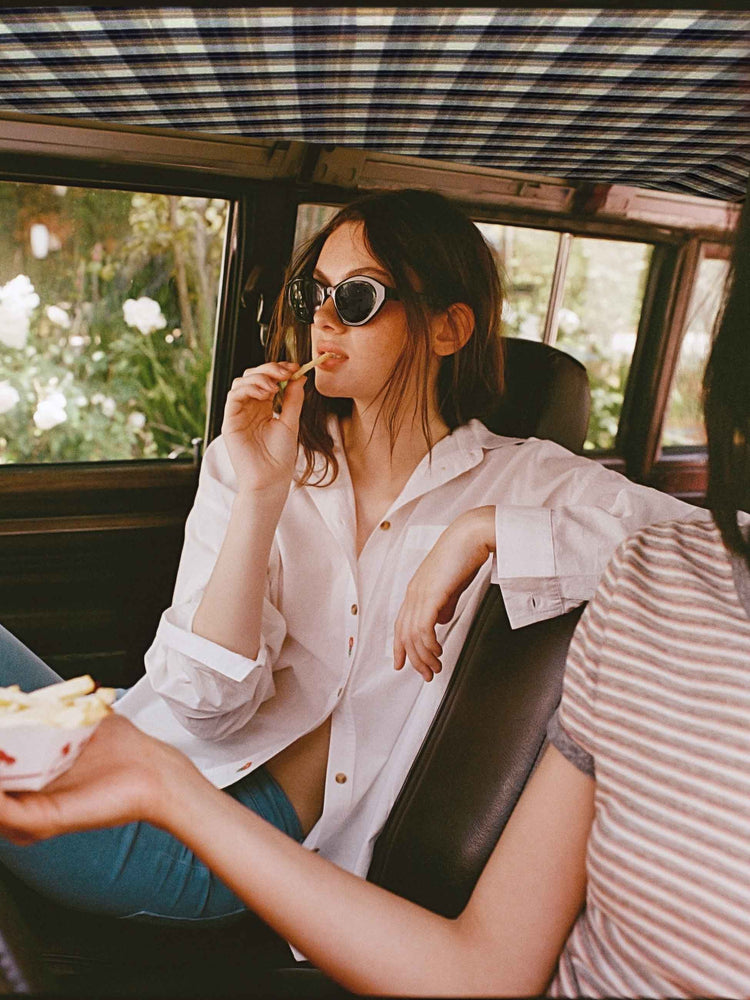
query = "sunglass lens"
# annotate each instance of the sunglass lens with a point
(355, 301)
(304, 298)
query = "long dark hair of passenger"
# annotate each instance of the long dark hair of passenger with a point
(726, 400)
(436, 257)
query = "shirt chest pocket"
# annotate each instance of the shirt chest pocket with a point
(418, 540)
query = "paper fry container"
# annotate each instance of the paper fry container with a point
(33, 754)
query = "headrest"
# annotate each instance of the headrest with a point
(546, 395)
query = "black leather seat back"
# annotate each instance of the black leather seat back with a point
(546, 395)
(475, 759)
(485, 738)
(454, 804)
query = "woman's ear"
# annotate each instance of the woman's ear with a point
(452, 329)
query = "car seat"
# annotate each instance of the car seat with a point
(458, 795)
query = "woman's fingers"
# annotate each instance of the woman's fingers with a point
(291, 404)
(106, 786)
(415, 641)
(280, 369)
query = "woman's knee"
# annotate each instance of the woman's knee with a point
(19, 665)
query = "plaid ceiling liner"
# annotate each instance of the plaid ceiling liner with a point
(648, 98)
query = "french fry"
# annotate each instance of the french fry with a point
(68, 704)
(64, 689)
(306, 368)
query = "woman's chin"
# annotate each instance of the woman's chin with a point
(330, 392)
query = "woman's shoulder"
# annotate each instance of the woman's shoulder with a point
(695, 535)
(676, 552)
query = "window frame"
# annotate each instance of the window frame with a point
(266, 180)
(96, 156)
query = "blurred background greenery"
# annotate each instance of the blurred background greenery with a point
(107, 313)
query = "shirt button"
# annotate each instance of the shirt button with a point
(340, 778)
(385, 525)
(354, 609)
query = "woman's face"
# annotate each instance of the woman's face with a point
(365, 354)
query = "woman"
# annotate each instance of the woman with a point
(356, 528)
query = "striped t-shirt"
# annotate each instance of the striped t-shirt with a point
(657, 691)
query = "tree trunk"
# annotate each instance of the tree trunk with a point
(187, 324)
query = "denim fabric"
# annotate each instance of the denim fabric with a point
(134, 870)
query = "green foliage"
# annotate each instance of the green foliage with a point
(81, 377)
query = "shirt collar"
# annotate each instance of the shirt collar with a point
(453, 455)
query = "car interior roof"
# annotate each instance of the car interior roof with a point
(647, 98)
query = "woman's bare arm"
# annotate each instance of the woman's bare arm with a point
(263, 451)
(506, 942)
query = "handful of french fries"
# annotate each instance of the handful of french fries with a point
(68, 704)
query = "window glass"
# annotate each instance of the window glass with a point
(527, 257)
(683, 422)
(598, 321)
(310, 219)
(107, 314)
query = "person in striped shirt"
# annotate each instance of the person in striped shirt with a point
(625, 868)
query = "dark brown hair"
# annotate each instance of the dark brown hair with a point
(726, 400)
(425, 242)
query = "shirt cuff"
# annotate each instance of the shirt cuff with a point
(175, 633)
(531, 600)
(523, 540)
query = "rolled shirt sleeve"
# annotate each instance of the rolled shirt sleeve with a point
(549, 558)
(212, 690)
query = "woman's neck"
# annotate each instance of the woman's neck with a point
(368, 446)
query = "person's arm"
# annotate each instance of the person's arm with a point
(550, 555)
(263, 452)
(212, 657)
(506, 942)
(547, 558)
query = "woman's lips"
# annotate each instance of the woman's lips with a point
(330, 364)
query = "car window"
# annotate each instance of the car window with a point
(583, 295)
(107, 313)
(683, 423)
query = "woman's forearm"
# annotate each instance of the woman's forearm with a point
(505, 943)
(367, 939)
(231, 611)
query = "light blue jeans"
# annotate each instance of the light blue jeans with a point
(136, 870)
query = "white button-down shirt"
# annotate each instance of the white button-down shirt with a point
(327, 635)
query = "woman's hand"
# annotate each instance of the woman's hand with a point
(434, 590)
(121, 775)
(262, 447)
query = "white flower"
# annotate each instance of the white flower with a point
(58, 316)
(76, 340)
(569, 320)
(144, 314)
(623, 343)
(109, 406)
(137, 420)
(39, 240)
(531, 328)
(17, 302)
(8, 397)
(50, 411)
